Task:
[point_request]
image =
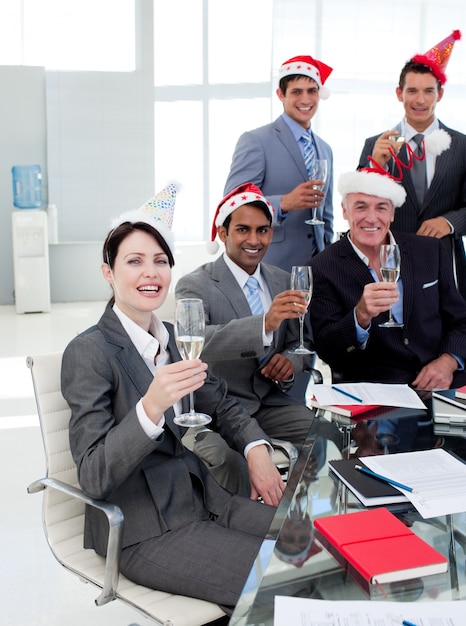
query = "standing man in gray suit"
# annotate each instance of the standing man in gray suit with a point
(272, 157)
(249, 350)
(439, 210)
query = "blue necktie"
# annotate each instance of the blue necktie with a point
(253, 297)
(309, 154)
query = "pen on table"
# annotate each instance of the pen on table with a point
(406, 623)
(382, 478)
(347, 394)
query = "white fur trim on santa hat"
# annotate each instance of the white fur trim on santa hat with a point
(372, 183)
(437, 142)
(324, 93)
(305, 65)
(235, 202)
(300, 68)
(212, 247)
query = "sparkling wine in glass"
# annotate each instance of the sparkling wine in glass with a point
(189, 336)
(319, 172)
(390, 261)
(301, 280)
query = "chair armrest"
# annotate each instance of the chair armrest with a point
(116, 522)
(287, 448)
(316, 376)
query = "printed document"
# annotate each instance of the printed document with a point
(368, 393)
(308, 612)
(437, 478)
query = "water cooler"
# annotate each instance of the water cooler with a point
(31, 261)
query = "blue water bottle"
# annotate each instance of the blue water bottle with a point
(27, 186)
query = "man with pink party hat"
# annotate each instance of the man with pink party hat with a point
(437, 206)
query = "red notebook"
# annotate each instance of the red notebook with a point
(352, 411)
(461, 392)
(348, 410)
(375, 547)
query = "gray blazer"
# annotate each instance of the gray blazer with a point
(234, 346)
(103, 378)
(270, 157)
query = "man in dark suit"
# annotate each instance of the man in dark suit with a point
(272, 157)
(249, 351)
(350, 299)
(440, 211)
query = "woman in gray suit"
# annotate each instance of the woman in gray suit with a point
(124, 381)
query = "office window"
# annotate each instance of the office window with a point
(367, 44)
(178, 42)
(212, 81)
(177, 159)
(239, 41)
(89, 35)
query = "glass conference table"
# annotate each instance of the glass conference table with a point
(291, 563)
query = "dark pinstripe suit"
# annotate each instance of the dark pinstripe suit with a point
(434, 312)
(446, 195)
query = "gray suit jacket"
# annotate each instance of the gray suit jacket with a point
(270, 158)
(445, 197)
(234, 346)
(103, 378)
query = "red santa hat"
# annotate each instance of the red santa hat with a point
(372, 182)
(307, 66)
(246, 193)
(436, 59)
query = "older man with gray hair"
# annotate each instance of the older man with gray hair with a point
(350, 302)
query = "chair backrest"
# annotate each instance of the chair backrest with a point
(63, 516)
(54, 416)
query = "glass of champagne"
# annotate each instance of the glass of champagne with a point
(189, 336)
(301, 280)
(319, 172)
(390, 262)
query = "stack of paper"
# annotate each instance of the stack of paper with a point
(437, 479)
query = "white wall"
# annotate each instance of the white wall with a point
(83, 281)
(93, 135)
(22, 142)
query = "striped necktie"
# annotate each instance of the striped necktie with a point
(309, 153)
(419, 172)
(253, 297)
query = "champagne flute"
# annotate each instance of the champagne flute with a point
(189, 336)
(301, 280)
(390, 262)
(319, 172)
(387, 440)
